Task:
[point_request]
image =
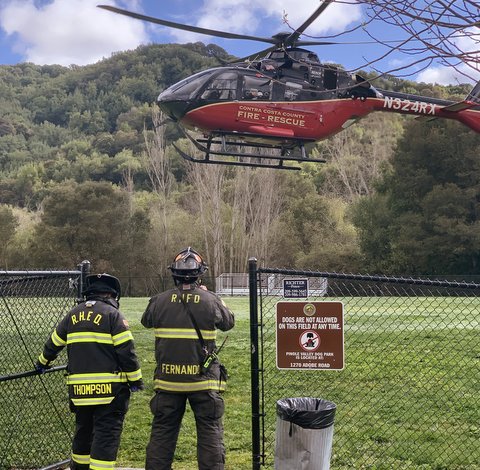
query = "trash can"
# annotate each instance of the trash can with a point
(304, 436)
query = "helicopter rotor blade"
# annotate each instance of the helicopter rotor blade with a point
(320, 43)
(343, 43)
(292, 39)
(279, 40)
(193, 29)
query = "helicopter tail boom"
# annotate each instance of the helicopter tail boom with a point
(466, 111)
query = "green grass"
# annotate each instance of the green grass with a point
(409, 395)
(408, 398)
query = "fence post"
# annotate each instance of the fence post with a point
(254, 361)
(84, 268)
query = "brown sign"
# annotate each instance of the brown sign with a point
(310, 335)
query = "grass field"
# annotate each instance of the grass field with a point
(409, 396)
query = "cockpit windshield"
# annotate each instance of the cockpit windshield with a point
(188, 86)
(277, 55)
(301, 54)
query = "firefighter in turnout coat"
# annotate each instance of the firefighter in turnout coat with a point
(185, 320)
(102, 371)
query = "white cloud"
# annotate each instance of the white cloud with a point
(462, 73)
(68, 32)
(258, 17)
(334, 19)
(448, 75)
(438, 75)
(77, 32)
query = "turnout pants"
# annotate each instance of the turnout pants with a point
(97, 433)
(168, 410)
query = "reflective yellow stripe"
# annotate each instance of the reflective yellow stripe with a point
(184, 333)
(42, 359)
(57, 341)
(81, 459)
(135, 375)
(89, 337)
(122, 337)
(95, 378)
(189, 386)
(102, 464)
(92, 401)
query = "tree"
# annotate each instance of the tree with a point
(314, 231)
(8, 225)
(355, 160)
(161, 179)
(208, 182)
(255, 200)
(372, 218)
(425, 219)
(83, 221)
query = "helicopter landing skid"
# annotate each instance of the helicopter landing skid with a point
(236, 158)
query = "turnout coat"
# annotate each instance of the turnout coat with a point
(101, 354)
(178, 350)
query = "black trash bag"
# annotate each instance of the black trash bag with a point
(308, 413)
(304, 435)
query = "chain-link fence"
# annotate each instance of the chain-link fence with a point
(408, 396)
(35, 422)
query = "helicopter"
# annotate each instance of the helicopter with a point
(266, 109)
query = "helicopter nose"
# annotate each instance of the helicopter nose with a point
(173, 108)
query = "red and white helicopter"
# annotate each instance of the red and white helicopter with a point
(283, 101)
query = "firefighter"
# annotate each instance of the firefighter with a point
(185, 320)
(102, 371)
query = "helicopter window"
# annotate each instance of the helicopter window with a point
(278, 91)
(256, 88)
(304, 56)
(330, 79)
(190, 84)
(275, 55)
(222, 87)
(292, 91)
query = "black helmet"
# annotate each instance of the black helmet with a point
(187, 266)
(102, 283)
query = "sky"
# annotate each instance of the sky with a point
(68, 32)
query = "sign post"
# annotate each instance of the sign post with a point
(310, 335)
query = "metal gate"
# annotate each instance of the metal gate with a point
(35, 423)
(409, 394)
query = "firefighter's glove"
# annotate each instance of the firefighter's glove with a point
(136, 386)
(41, 368)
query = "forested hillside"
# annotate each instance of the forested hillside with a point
(85, 174)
